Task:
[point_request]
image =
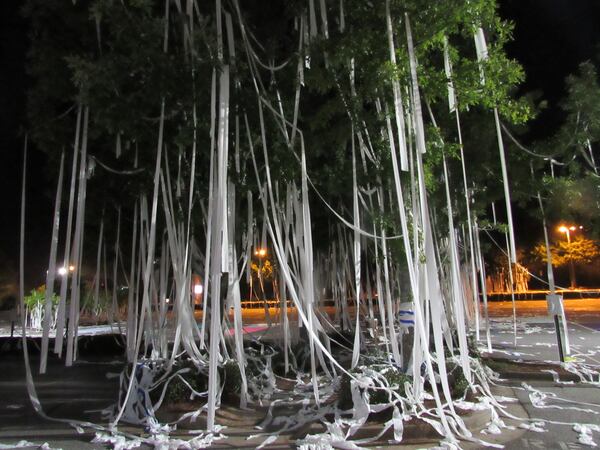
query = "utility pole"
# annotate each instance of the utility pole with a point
(555, 301)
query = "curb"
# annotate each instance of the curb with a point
(513, 373)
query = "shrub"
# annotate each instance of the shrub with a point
(395, 380)
(232, 380)
(35, 305)
(177, 391)
(460, 385)
(473, 348)
(456, 377)
(37, 297)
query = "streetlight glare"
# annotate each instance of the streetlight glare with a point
(569, 228)
(71, 268)
(198, 289)
(261, 252)
(62, 271)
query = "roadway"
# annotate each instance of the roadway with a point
(582, 311)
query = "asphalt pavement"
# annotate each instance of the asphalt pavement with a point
(80, 392)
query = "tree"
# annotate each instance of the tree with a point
(575, 199)
(241, 94)
(568, 176)
(560, 164)
(110, 56)
(123, 60)
(570, 252)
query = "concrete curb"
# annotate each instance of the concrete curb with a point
(522, 370)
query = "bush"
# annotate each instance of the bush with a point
(345, 391)
(232, 380)
(456, 377)
(35, 306)
(37, 297)
(278, 362)
(395, 380)
(301, 353)
(177, 391)
(473, 348)
(460, 385)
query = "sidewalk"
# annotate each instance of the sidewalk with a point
(536, 342)
(564, 399)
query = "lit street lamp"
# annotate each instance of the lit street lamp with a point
(64, 271)
(567, 231)
(197, 290)
(261, 254)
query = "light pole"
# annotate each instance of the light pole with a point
(567, 231)
(261, 253)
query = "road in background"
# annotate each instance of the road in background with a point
(585, 311)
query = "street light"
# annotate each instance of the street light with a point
(197, 291)
(567, 230)
(260, 253)
(62, 271)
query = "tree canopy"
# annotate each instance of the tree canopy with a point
(121, 59)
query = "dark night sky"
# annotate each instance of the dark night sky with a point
(551, 38)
